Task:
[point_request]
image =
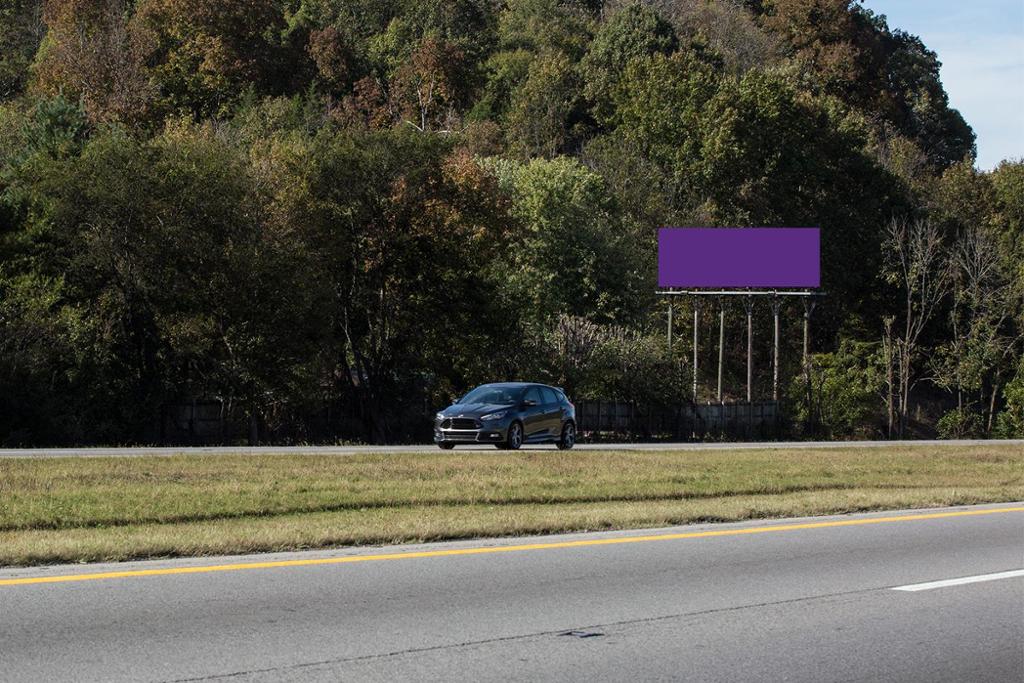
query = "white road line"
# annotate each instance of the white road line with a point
(959, 582)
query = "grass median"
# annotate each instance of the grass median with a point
(106, 509)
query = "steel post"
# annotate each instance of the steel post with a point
(749, 305)
(696, 329)
(721, 344)
(670, 310)
(776, 305)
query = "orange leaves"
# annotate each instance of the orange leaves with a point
(90, 52)
(429, 86)
(330, 54)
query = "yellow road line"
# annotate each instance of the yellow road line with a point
(202, 569)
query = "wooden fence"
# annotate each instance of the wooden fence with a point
(610, 420)
(204, 422)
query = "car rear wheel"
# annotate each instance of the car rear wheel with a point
(568, 439)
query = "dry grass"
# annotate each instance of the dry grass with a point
(67, 510)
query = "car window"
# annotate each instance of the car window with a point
(549, 395)
(532, 395)
(496, 395)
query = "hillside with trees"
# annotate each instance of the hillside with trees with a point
(333, 215)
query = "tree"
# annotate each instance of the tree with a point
(21, 31)
(919, 104)
(545, 25)
(845, 386)
(1010, 424)
(630, 33)
(1008, 185)
(156, 270)
(986, 292)
(504, 72)
(204, 56)
(829, 41)
(916, 265)
(90, 53)
(569, 254)
(402, 229)
(332, 55)
(844, 50)
(429, 89)
(659, 107)
(541, 113)
(986, 299)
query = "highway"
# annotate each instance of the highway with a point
(848, 598)
(137, 451)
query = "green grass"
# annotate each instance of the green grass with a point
(97, 509)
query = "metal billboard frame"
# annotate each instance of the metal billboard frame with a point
(809, 297)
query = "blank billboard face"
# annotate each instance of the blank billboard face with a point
(739, 257)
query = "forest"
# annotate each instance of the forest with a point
(332, 216)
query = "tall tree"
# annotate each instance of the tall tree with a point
(632, 32)
(90, 53)
(21, 30)
(204, 56)
(569, 254)
(917, 266)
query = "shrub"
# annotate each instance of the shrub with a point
(961, 423)
(845, 391)
(1010, 422)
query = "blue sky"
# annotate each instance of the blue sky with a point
(981, 47)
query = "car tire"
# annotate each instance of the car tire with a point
(514, 439)
(444, 446)
(568, 438)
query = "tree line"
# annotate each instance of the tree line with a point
(368, 206)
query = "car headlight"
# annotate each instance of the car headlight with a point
(439, 416)
(495, 416)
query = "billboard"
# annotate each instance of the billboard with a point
(739, 257)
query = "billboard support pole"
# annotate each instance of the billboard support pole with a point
(748, 303)
(670, 310)
(696, 328)
(776, 305)
(808, 309)
(721, 343)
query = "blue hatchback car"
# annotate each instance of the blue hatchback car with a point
(508, 415)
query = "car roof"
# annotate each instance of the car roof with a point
(517, 385)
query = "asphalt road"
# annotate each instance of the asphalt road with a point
(430, 448)
(795, 600)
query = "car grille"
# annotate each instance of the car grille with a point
(460, 423)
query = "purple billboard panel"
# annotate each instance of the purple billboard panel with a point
(739, 257)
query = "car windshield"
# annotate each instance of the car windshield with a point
(494, 395)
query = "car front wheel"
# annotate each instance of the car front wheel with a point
(515, 437)
(568, 439)
(446, 446)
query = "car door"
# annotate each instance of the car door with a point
(533, 413)
(552, 412)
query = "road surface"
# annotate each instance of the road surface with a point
(845, 598)
(430, 448)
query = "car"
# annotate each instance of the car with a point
(508, 415)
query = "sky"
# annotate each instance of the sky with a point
(981, 46)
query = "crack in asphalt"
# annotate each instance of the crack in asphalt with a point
(525, 636)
